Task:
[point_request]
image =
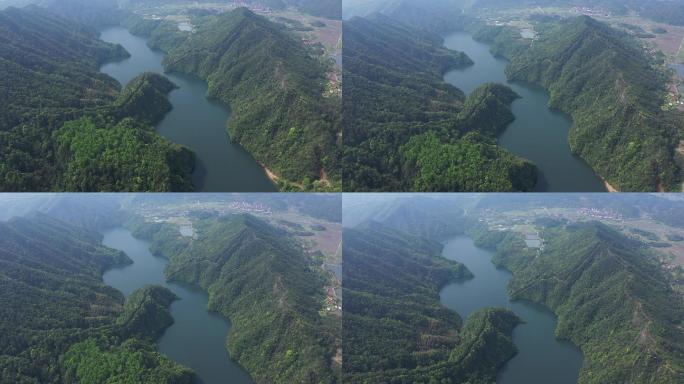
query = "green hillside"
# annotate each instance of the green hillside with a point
(274, 86)
(116, 148)
(610, 296)
(58, 321)
(413, 131)
(65, 126)
(614, 92)
(271, 290)
(394, 328)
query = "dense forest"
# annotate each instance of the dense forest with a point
(274, 86)
(394, 328)
(56, 137)
(612, 90)
(413, 131)
(60, 323)
(610, 296)
(117, 149)
(266, 284)
(65, 126)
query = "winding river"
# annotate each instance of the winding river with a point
(541, 358)
(538, 133)
(195, 121)
(197, 337)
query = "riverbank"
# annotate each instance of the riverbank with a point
(197, 337)
(538, 133)
(194, 121)
(541, 358)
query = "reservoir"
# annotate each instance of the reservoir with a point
(195, 121)
(197, 337)
(538, 133)
(541, 358)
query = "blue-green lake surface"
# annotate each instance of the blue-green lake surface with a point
(541, 358)
(197, 338)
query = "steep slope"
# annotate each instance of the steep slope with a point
(394, 327)
(271, 290)
(50, 66)
(115, 148)
(610, 297)
(125, 353)
(53, 297)
(50, 73)
(274, 86)
(413, 131)
(614, 92)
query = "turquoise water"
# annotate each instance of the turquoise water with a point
(541, 358)
(195, 121)
(538, 133)
(197, 337)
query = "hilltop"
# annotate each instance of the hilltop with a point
(612, 90)
(610, 296)
(261, 279)
(274, 86)
(414, 132)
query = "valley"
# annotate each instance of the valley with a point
(149, 305)
(277, 126)
(607, 97)
(193, 121)
(585, 275)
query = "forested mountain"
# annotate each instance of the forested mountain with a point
(50, 66)
(126, 352)
(413, 131)
(612, 90)
(64, 125)
(162, 35)
(274, 86)
(267, 285)
(610, 296)
(394, 328)
(117, 149)
(58, 316)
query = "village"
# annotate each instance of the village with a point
(320, 239)
(663, 42)
(665, 242)
(321, 34)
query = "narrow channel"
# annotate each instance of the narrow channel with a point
(538, 133)
(541, 358)
(195, 121)
(197, 338)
